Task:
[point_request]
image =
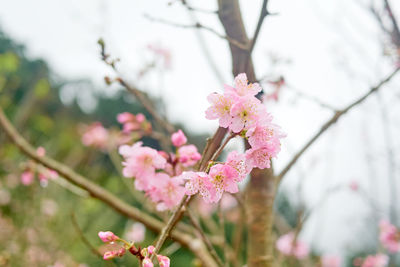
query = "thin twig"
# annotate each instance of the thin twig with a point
(200, 26)
(263, 14)
(332, 121)
(204, 237)
(196, 9)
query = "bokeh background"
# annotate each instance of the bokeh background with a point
(328, 52)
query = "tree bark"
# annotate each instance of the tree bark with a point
(260, 192)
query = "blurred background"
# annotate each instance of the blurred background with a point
(312, 58)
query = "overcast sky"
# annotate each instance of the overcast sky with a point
(335, 50)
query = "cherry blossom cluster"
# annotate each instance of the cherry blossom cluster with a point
(288, 246)
(242, 112)
(160, 174)
(44, 174)
(134, 127)
(95, 135)
(239, 110)
(142, 254)
(378, 260)
(389, 236)
(131, 123)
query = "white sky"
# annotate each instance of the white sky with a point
(335, 52)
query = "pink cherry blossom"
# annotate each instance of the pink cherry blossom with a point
(48, 174)
(331, 261)
(200, 182)
(245, 113)
(265, 135)
(354, 185)
(163, 52)
(260, 157)
(244, 88)
(136, 232)
(166, 191)
(188, 155)
(389, 236)
(285, 245)
(141, 163)
(378, 260)
(220, 109)
(96, 136)
(125, 117)
(163, 261)
(178, 139)
(224, 177)
(150, 249)
(108, 255)
(41, 151)
(140, 117)
(27, 177)
(147, 262)
(108, 236)
(239, 163)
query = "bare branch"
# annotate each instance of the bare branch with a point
(200, 26)
(264, 13)
(396, 31)
(189, 7)
(332, 121)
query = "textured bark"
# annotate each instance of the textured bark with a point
(259, 203)
(261, 188)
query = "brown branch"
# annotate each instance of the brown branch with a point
(332, 121)
(201, 26)
(264, 13)
(396, 31)
(101, 194)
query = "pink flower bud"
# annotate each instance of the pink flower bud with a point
(147, 263)
(40, 151)
(108, 236)
(121, 252)
(150, 249)
(27, 178)
(354, 186)
(163, 261)
(178, 139)
(140, 117)
(108, 255)
(130, 127)
(125, 117)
